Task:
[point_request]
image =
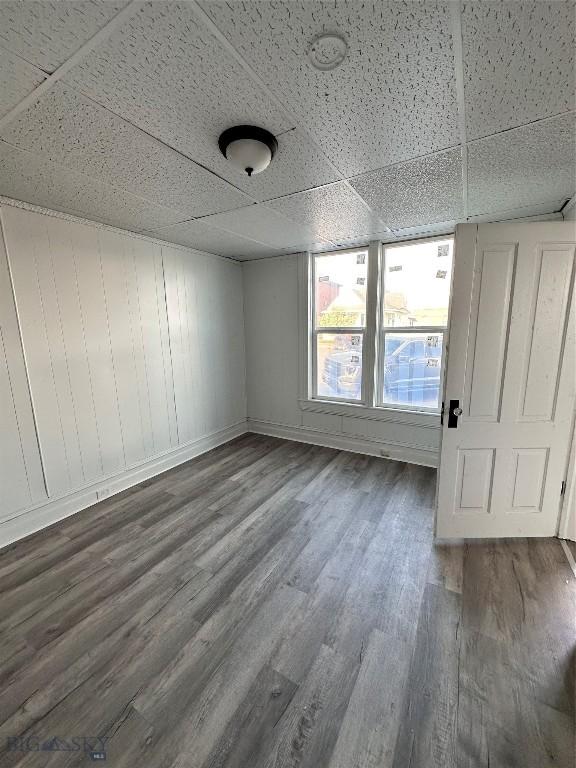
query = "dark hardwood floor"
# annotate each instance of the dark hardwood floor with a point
(279, 605)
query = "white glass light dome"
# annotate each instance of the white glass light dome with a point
(248, 148)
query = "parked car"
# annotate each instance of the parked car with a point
(342, 374)
(412, 368)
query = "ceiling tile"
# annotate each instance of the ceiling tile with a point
(17, 80)
(262, 224)
(75, 132)
(28, 177)
(532, 164)
(392, 98)
(519, 63)
(196, 234)
(166, 73)
(421, 191)
(333, 212)
(47, 32)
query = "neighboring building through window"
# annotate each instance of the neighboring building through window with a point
(409, 326)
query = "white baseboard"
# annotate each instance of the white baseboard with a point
(51, 511)
(396, 451)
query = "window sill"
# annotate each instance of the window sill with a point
(395, 415)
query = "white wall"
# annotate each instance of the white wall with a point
(135, 361)
(271, 316)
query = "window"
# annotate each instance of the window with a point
(339, 324)
(384, 352)
(415, 292)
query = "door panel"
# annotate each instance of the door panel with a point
(546, 342)
(511, 364)
(490, 333)
(475, 477)
(529, 477)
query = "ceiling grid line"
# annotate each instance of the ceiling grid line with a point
(26, 61)
(537, 121)
(456, 19)
(72, 61)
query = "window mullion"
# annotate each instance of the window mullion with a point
(370, 335)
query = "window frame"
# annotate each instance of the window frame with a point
(368, 406)
(409, 330)
(348, 331)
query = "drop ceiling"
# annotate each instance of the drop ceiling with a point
(441, 112)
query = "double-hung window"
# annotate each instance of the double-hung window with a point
(381, 345)
(339, 324)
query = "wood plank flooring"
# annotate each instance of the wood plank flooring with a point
(278, 605)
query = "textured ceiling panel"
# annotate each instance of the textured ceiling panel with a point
(421, 191)
(47, 32)
(332, 212)
(27, 177)
(79, 134)
(296, 166)
(17, 80)
(528, 165)
(262, 224)
(518, 63)
(164, 72)
(393, 97)
(198, 235)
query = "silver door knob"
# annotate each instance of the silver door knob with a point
(457, 411)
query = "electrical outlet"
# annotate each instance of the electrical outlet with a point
(384, 454)
(102, 493)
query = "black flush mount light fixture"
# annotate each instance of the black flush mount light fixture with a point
(249, 148)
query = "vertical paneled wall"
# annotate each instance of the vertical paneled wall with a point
(205, 317)
(132, 350)
(21, 481)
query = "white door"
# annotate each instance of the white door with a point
(511, 369)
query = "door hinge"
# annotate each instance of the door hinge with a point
(563, 488)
